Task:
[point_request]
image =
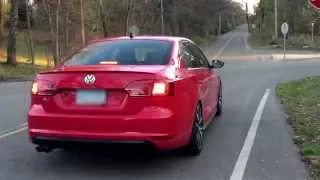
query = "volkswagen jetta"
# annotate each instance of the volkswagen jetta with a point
(146, 89)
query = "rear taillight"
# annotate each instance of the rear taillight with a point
(160, 88)
(43, 88)
(149, 88)
(35, 88)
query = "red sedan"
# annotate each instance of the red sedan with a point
(157, 90)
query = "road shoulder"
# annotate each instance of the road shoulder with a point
(274, 155)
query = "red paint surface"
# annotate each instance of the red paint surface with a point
(166, 121)
(315, 3)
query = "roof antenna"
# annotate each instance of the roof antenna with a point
(131, 35)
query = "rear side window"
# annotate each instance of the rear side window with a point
(124, 52)
(190, 56)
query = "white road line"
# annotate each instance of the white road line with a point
(244, 155)
(11, 96)
(224, 46)
(6, 134)
(245, 38)
(24, 124)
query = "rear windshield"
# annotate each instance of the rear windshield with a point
(124, 52)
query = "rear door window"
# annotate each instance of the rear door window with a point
(199, 55)
(124, 52)
(189, 56)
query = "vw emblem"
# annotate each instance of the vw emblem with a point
(90, 79)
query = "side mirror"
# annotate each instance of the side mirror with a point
(217, 64)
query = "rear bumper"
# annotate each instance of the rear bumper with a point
(60, 139)
(80, 143)
(158, 126)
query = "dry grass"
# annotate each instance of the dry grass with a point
(302, 103)
(21, 71)
(265, 40)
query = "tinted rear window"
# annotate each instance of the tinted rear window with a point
(124, 52)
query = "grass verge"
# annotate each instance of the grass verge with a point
(259, 40)
(301, 100)
(203, 41)
(265, 40)
(42, 52)
(21, 71)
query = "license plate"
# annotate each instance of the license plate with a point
(91, 97)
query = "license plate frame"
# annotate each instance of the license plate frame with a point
(91, 97)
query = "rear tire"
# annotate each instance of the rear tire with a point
(195, 145)
(219, 104)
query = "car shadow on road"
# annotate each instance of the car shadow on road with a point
(125, 153)
(118, 158)
(124, 159)
(133, 162)
(128, 153)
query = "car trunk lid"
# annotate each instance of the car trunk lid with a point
(95, 89)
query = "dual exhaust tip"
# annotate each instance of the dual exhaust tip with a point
(45, 149)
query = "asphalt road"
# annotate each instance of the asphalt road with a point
(250, 141)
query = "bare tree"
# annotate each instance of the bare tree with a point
(261, 11)
(1, 21)
(174, 18)
(30, 33)
(12, 38)
(48, 11)
(103, 18)
(67, 30)
(129, 4)
(188, 18)
(83, 31)
(58, 31)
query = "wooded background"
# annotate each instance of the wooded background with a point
(54, 28)
(297, 13)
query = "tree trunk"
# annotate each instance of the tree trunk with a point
(47, 8)
(261, 15)
(67, 30)
(103, 19)
(57, 35)
(247, 17)
(128, 16)
(293, 15)
(30, 34)
(68, 23)
(175, 26)
(83, 32)
(12, 38)
(1, 21)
